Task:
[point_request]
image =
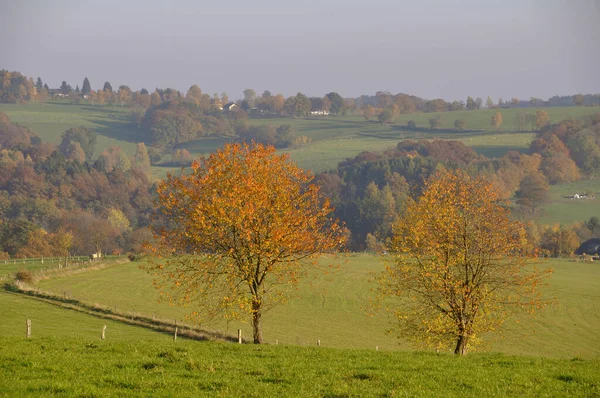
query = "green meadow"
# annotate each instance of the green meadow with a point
(158, 368)
(335, 309)
(553, 354)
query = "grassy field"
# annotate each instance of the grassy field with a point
(333, 309)
(51, 120)
(91, 368)
(560, 209)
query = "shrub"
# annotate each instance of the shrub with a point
(411, 125)
(24, 276)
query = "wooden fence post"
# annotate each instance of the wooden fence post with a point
(104, 332)
(318, 342)
(239, 336)
(175, 334)
(28, 333)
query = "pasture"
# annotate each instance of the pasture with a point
(91, 367)
(333, 309)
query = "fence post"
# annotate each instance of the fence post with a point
(28, 333)
(104, 332)
(175, 334)
(318, 342)
(239, 336)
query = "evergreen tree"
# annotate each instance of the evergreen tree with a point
(77, 88)
(86, 88)
(65, 88)
(107, 86)
(38, 84)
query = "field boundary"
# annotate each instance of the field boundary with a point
(113, 314)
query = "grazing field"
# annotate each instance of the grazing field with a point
(50, 120)
(49, 320)
(561, 209)
(91, 367)
(332, 309)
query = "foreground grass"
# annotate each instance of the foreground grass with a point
(333, 309)
(86, 367)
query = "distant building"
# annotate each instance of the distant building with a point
(319, 113)
(229, 106)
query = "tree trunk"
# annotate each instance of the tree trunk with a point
(256, 327)
(461, 345)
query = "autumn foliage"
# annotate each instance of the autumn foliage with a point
(460, 265)
(238, 230)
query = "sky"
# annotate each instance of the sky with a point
(430, 48)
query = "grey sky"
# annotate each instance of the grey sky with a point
(429, 48)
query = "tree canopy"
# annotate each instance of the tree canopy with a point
(459, 264)
(238, 229)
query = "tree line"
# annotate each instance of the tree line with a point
(55, 198)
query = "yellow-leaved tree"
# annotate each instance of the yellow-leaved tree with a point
(238, 231)
(460, 265)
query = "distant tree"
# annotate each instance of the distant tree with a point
(489, 102)
(284, 136)
(435, 122)
(86, 87)
(65, 88)
(479, 102)
(411, 125)
(141, 159)
(194, 92)
(578, 99)
(77, 88)
(460, 124)
(500, 103)
(107, 87)
(541, 118)
(593, 224)
(83, 135)
(514, 101)
(533, 191)
(367, 111)
(386, 116)
(519, 121)
(337, 102)
(250, 96)
(38, 84)
(496, 121)
(471, 105)
(143, 91)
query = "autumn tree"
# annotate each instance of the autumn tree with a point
(533, 191)
(496, 121)
(460, 124)
(578, 99)
(460, 264)
(541, 118)
(237, 231)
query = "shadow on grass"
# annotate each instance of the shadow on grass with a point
(118, 128)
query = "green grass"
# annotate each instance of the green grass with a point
(332, 309)
(50, 120)
(87, 367)
(560, 209)
(52, 321)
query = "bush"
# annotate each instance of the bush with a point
(132, 257)
(411, 125)
(24, 276)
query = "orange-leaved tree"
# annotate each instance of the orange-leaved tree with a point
(238, 231)
(460, 264)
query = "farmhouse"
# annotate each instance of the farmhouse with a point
(229, 106)
(591, 247)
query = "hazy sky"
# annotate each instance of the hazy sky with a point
(447, 49)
